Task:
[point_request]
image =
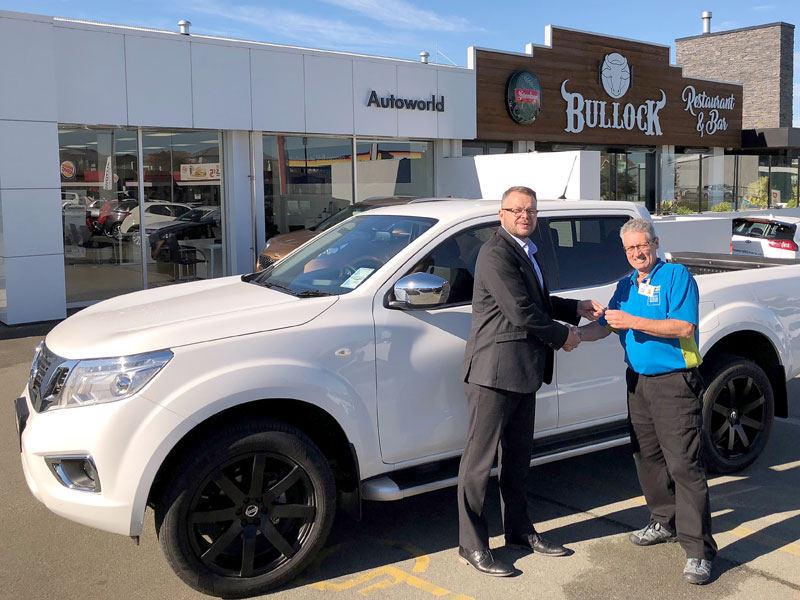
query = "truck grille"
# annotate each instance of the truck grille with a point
(47, 375)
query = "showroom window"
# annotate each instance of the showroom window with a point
(306, 179)
(394, 168)
(183, 226)
(98, 167)
(182, 171)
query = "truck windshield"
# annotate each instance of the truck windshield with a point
(344, 257)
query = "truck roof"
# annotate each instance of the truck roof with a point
(459, 209)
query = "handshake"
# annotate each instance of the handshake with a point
(588, 309)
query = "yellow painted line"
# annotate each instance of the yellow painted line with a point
(786, 466)
(742, 532)
(387, 576)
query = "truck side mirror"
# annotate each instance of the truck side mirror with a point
(420, 290)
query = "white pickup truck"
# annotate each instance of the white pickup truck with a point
(244, 409)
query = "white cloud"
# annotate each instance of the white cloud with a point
(400, 14)
(304, 29)
(764, 8)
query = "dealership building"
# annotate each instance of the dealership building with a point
(230, 142)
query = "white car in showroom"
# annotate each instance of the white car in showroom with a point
(155, 211)
(769, 236)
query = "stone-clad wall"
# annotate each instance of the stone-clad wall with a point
(760, 58)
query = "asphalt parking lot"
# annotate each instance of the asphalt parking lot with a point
(407, 549)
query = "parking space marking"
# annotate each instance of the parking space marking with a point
(387, 576)
(786, 466)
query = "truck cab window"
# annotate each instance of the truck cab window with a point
(587, 251)
(454, 260)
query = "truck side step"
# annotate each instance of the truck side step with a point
(411, 481)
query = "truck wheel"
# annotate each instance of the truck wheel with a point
(738, 409)
(247, 510)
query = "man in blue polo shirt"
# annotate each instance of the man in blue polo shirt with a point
(655, 314)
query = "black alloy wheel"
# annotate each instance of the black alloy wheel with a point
(738, 411)
(248, 511)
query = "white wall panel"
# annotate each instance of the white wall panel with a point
(28, 297)
(28, 155)
(458, 119)
(278, 91)
(417, 83)
(30, 222)
(90, 77)
(159, 74)
(382, 78)
(329, 95)
(27, 70)
(221, 87)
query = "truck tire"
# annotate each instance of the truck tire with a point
(246, 510)
(738, 410)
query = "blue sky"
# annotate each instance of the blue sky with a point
(445, 28)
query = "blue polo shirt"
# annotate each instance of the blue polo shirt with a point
(673, 295)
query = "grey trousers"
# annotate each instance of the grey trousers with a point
(500, 424)
(665, 413)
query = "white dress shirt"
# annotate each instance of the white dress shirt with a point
(529, 248)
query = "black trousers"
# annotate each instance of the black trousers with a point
(665, 413)
(499, 421)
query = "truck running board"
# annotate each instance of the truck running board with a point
(412, 481)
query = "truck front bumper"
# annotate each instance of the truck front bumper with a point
(122, 441)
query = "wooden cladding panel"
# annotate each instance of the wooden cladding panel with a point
(575, 57)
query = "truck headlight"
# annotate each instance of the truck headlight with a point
(104, 380)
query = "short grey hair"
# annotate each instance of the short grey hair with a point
(520, 189)
(638, 226)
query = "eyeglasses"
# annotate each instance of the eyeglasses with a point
(531, 212)
(637, 248)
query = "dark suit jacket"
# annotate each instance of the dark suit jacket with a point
(510, 345)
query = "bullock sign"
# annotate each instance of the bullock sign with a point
(598, 90)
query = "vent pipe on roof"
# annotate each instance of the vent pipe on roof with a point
(706, 22)
(423, 56)
(184, 25)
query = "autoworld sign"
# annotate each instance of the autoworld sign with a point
(404, 103)
(615, 75)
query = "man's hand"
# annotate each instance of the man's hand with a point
(572, 340)
(619, 319)
(590, 309)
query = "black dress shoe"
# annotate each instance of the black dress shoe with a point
(533, 542)
(484, 562)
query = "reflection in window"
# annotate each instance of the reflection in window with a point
(96, 165)
(182, 169)
(306, 179)
(394, 168)
(344, 257)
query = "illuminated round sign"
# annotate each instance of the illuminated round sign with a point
(524, 97)
(68, 169)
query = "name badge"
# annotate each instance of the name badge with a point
(645, 289)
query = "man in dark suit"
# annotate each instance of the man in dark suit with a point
(508, 356)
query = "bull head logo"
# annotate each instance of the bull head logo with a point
(615, 75)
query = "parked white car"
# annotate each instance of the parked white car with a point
(244, 409)
(155, 211)
(770, 236)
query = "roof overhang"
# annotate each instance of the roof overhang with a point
(775, 137)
